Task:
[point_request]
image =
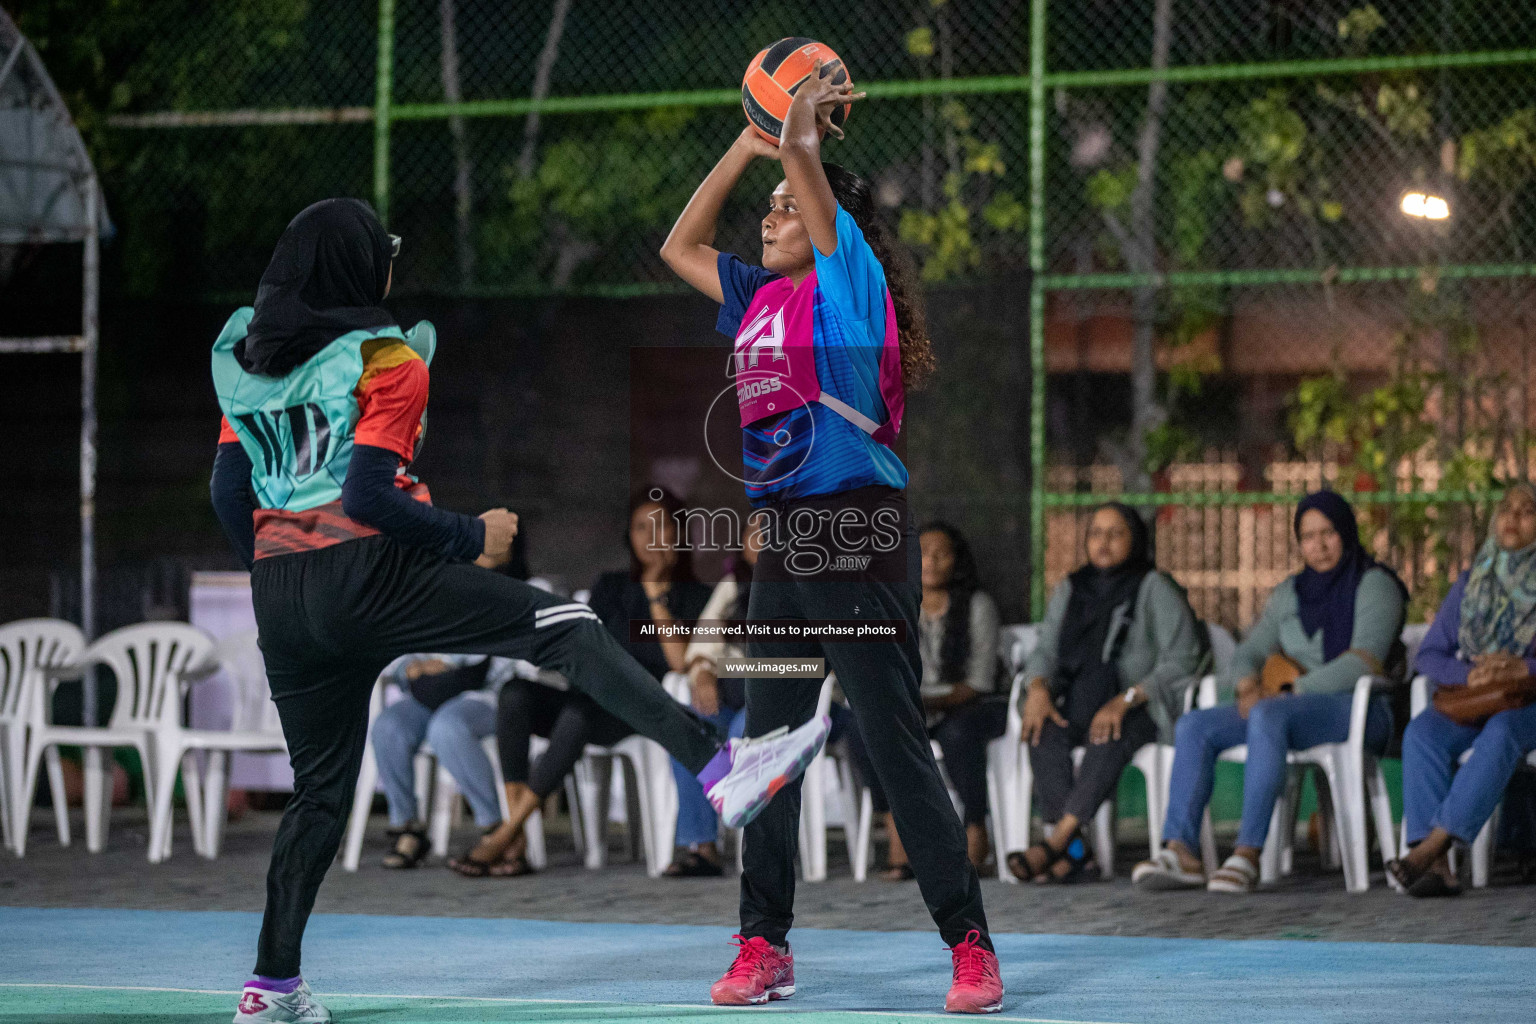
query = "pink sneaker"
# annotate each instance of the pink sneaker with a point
(759, 974)
(978, 987)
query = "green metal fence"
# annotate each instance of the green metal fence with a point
(1204, 173)
(1193, 163)
(546, 147)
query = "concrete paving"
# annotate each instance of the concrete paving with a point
(1311, 904)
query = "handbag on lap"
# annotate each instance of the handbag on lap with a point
(1474, 705)
(1281, 671)
(1279, 674)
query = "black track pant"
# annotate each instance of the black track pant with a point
(330, 620)
(569, 721)
(1056, 788)
(880, 681)
(962, 734)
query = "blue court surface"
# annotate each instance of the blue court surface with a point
(120, 966)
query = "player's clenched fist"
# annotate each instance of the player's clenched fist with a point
(500, 528)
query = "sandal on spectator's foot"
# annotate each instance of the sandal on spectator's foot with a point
(1399, 875)
(411, 846)
(1427, 884)
(471, 866)
(1431, 884)
(693, 864)
(1237, 874)
(897, 873)
(511, 866)
(1019, 866)
(1166, 872)
(1079, 867)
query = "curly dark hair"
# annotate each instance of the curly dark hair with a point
(855, 195)
(964, 581)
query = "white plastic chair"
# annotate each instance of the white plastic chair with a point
(255, 729)
(1158, 757)
(1008, 787)
(1413, 638)
(655, 794)
(1356, 789)
(436, 791)
(813, 802)
(1010, 784)
(29, 647)
(1008, 781)
(367, 782)
(153, 662)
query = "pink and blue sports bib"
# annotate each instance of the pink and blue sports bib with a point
(775, 360)
(817, 370)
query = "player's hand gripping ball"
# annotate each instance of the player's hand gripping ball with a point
(777, 73)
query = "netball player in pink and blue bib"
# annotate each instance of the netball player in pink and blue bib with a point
(828, 333)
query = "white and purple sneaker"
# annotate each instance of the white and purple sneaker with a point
(272, 1005)
(743, 777)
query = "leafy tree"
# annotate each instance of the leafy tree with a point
(588, 194)
(961, 191)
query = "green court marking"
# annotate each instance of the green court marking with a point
(91, 1004)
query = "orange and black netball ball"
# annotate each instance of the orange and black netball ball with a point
(774, 76)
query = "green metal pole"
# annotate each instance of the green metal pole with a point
(1061, 499)
(1288, 69)
(1299, 275)
(1037, 308)
(383, 93)
(971, 86)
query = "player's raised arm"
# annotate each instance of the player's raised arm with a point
(809, 118)
(689, 249)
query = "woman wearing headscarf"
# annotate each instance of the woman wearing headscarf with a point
(1337, 619)
(1484, 634)
(1118, 648)
(324, 400)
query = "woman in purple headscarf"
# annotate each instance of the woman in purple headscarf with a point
(1339, 618)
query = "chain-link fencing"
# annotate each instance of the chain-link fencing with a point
(535, 148)
(1210, 196)
(1306, 230)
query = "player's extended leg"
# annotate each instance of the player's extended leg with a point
(460, 608)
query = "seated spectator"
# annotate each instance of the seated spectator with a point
(1337, 619)
(659, 588)
(1118, 649)
(958, 628)
(450, 704)
(1485, 633)
(722, 701)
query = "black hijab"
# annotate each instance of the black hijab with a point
(327, 277)
(1096, 593)
(1326, 600)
